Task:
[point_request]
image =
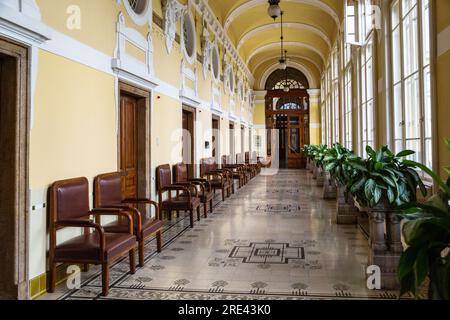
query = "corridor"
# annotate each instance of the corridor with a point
(274, 239)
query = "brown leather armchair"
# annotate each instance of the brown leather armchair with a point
(69, 207)
(108, 194)
(189, 202)
(252, 160)
(219, 179)
(250, 171)
(237, 171)
(180, 177)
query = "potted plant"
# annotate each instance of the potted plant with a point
(337, 164)
(386, 182)
(318, 157)
(427, 235)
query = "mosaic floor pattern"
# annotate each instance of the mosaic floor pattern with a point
(274, 239)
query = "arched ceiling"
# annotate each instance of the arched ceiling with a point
(310, 27)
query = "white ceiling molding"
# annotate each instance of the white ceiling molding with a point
(289, 57)
(205, 10)
(311, 80)
(250, 4)
(288, 25)
(287, 44)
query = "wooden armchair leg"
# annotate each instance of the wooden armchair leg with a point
(105, 279)
(205, 209)
(132, 254)
(169, 212)
(52, 276)
(141, 252)
(158, 241)
(198, 213)
(223, 194)
(191, 216)
(85, 267)
(211, 206)
(178, 213)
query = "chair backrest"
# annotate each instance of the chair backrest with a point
(224, 160)
(107, 189)
(180, 173)
(212, 164)
(69, 200)
(203, 167)
(163, 177)
(247, 157)
(239, 159)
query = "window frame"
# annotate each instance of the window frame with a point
(421, 67)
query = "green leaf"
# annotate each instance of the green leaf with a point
(370, 151)
(447, 169)
(377, 195)
(369, 189)
(430, 172)
(358, 185)
(358, 166)
(405, 153)
(379, 166)
(421, 267)
(379, 155)
(391, 195)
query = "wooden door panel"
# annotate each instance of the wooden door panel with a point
(128, 145)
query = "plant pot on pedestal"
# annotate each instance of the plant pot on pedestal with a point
(320, 176)
(329, 187)
(314, 170)
(385, 247)
(346, 211)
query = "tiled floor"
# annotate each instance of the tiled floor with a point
(274, 239)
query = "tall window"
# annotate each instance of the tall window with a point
(411, 80)
(329, 115)
(367, 96)
(323, 109)
(335, 89)
(348, 98)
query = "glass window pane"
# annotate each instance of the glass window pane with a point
(398, 114)
(427, 103)
(396, 56)
(408, 5)
(410, 45)
(412, 112)
(426, 32)
(370, 123)
(395, 15)
(369, 73)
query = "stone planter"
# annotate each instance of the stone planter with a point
(385, 247)
(346, 211)
(311, 166)
(314, 170)
(329, 187)
(308, 163)
(320, 176)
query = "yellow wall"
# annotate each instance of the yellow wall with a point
(442, 86)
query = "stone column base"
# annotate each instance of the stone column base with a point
(346, 214)
(388, 263)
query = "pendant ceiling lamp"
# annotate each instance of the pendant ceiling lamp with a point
(286, 87)
(283, 61)
(274, 10)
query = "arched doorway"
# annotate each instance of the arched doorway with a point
(287, 111)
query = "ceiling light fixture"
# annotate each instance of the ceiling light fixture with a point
(274, 10)
(283, 62)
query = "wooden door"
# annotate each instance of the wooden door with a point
(215, 139)
(188, 141)
(128, 145)
(294, 139)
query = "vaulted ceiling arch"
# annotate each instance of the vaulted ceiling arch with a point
(311, 79)
(289, 25)
(275, 59)
(288, 44)
(240, 9)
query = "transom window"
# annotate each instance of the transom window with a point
(290, 83)
(138, 6)
(411, 78)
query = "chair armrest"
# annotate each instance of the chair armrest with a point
(203, 181)
(114, 212)
(85, 224)
(188, 185)
(175, 187)
(200, 184)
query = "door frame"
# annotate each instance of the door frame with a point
(192, 166)
(232, 144)
(14, 277)
(218, 155)
(144, 136)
